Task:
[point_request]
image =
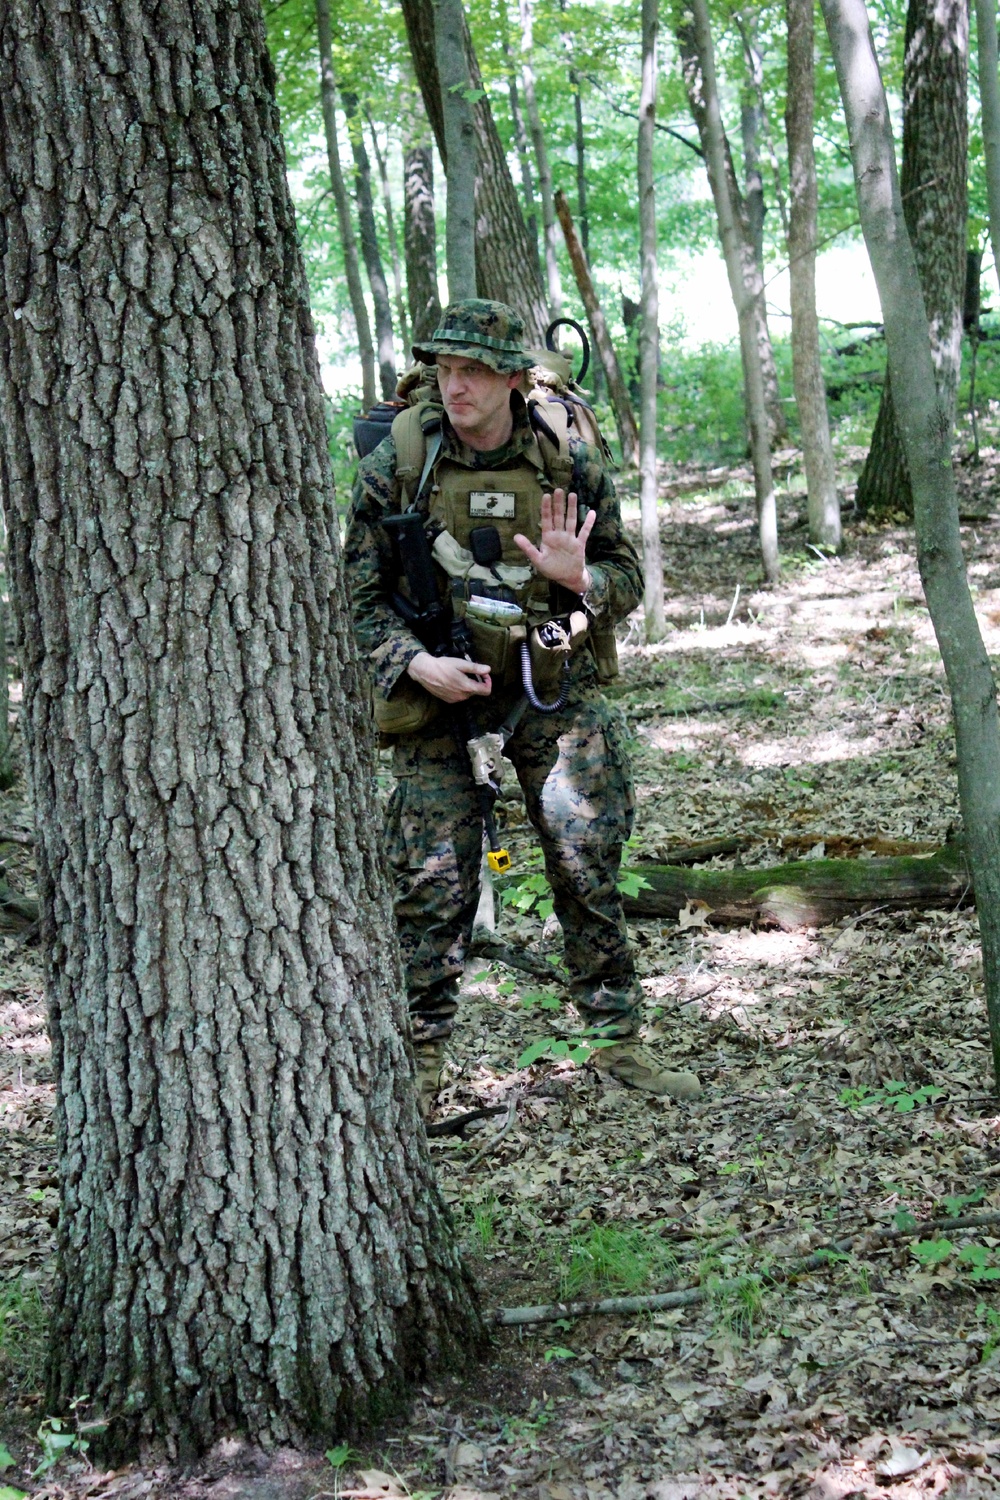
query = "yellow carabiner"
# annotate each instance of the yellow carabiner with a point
(498, 861)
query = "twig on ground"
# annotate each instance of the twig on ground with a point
(25, 840)
(456, 1124)
(510, 1317)
(485, 946)
(495, 1140)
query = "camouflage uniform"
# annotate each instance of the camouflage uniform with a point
(571, 765)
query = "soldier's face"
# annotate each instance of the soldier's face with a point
(476, 398)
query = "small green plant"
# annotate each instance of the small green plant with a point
(342, 1454)
(530, 893)
(981, 1261)
(558, 1353)
(545, 998)
(484, 1223)
(522, 1432)
(59, 1439)
(953, 1206)
(991, 1316)
(8, 1492)
(630, 883)
(579, 1050)
(900, 1096)
(6, 1459)
(739, 1307)
(23, 1329)
(608, 1259)
(931, 1252)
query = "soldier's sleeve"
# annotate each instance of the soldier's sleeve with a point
(385, 641)
(616, 581)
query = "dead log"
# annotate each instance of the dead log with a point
(806, 892)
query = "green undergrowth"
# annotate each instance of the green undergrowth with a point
(23, 1334)
(605, 1260)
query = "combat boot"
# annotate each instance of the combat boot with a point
(634, 1066)
(429, 1058)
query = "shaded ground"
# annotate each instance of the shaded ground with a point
(818, 712)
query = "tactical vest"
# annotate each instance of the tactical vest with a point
(509, 499)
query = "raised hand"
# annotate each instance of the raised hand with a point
(562, 556)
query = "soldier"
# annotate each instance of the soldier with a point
(476, 451)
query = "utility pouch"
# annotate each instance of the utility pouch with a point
(410, 709)
(497, 647)
(551, 645)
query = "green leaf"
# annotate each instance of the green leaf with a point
(932, 1252)
(977, 1255)
(8, 1492)
(630, 883)
(903, 1219)
(534, 1052)
(986, 1273)
(6, 1458)
(338, 1456)
(558, 1353)
(507, 988)
(545, 908)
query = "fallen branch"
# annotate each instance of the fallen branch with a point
(456, 1124)
(495, 1140)
(25, 840)
(484, 945)
(806, 892)
(518, 1317)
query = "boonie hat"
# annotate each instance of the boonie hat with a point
(491, 332)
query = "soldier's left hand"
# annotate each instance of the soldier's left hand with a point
(562, 556)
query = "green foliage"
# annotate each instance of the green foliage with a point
(739, 1306)
(558, 1353)
(606, 1259)
(578, 1050)
(23, 1330)
(342, 1454)
(901, 1097)
(58, 1440)
(991, 1317)
(7, 1460)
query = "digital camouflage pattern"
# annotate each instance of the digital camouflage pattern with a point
(616, 573)
(490, 332)
(577, 785)
(572, 765)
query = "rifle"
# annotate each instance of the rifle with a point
(434, 624)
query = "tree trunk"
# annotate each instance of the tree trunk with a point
(751, 122)
(250, 1238)
(369, 247)
(419, 234)
(541, 161)
(807, 368)
(924, 414)
(459, 154)
(935, 135)
(745, 282)
(506, 265)
(989, 99)
(352, 269)
(390, 230)
(523, 150)
(628, 433)
(804, 892)
(649, 332)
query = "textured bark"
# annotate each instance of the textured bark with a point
(370, 251)
(925, 423)
(419, 239)
(521, 143)
(628, 433)
(348, 242)
(460, 151)
(935, 139)
(250, 1238)
(390, 230)
(807, 368)
(649, 331)
(745, 283)
(506, 263)
(541, 160)
(751, 122)
(750, 290)
(989, 98)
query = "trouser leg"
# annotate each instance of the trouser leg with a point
(434, 844)
(578, 792)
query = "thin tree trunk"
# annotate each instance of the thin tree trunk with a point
(745, 282)
(989, 99)
(352, 268)
(924, 414)
(369, 246)
(459, 154)
(250, 1237)
(419, 228)
(751, 120)
(523, 149)
(390, 229)
(649, 332)
(628, 433)
(807, 369)
(506, 264)
(777, 426)
(935, 134)
(541, 161)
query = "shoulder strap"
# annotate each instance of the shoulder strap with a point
(417, 435)
(550, 424)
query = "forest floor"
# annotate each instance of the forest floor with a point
(847, 1089)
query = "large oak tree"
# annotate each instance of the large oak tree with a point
(250, 1236)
